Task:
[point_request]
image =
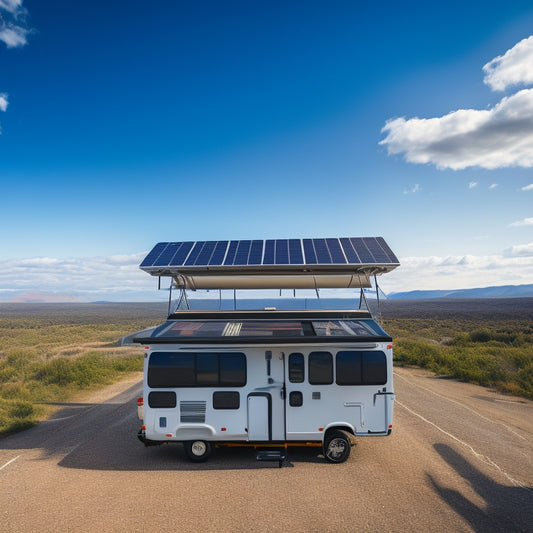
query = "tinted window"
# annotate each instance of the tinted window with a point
(361, 368)
(207, 369)
(348, 368)
(171, 369)
(185, 369)
(226, 400)
(232, 370)
(374, 368)
(296, 368)
(162, 399)
(296, 399)
(320, 368)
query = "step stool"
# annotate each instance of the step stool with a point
(271, 455)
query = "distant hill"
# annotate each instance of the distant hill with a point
(504, 291)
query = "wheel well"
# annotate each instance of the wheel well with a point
(348, 429)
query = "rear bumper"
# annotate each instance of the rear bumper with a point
(141, 435)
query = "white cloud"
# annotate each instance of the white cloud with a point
(525, 222)
(472, 184)
(527, 188)
(13, 30)
(94, 278)
(414, 189)
(3, 101)
(520, 250)
(493, 186)
(515, 66)
(12, 6)
(501, 136)
(118, 278)
(13, 36)
(513, 266)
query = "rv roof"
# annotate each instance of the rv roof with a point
(280, 263)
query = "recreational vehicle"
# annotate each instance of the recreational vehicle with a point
(268, 377)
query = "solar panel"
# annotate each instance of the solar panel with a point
(356, 253)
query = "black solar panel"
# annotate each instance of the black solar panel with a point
(274, 252)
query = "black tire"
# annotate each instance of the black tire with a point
(197, 450)
(337, 446)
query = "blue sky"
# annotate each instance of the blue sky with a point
(128, 123)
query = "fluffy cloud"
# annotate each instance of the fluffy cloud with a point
(11, 6)
(515, 66)
(118, 278)
(513, 266)
(525, 222)
(13, 30)
(13, 35)
(520, 250)
(93, 278)
(527, 188)
(501, 136)
(3, 101)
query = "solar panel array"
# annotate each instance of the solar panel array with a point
(273, 252)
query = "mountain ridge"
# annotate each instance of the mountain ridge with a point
(501, 291)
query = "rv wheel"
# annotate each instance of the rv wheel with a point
(197, 450)
(337, 446)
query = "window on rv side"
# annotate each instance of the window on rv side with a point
(374, 368)
(171, 369)
(361, 368)
(186, 369)
(320, 368)
(232, 370)
(296, 368)
(207, 370)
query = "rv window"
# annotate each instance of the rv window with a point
(207, 369)
(226, 400)
(162, 399)
(296, 368)
(171, 369)
(320, 368)
(361, 368)
(232, 370)
(296, 399)
(374, 368)
(348, 368)
(185, 369)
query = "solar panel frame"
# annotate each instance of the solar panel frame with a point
(322, 252)
(309, 251)
(271, 257)
(230, 255)
(282, 252)
(153, 254)
(335, 251)
(270, 252)
(385, 247)
(219, 253)
(349, 252)
(295, 252)
(242, 253)
(362, 251)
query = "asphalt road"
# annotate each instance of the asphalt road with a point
(460, 459)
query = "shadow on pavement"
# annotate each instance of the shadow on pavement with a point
(104, 437)
(507, 508)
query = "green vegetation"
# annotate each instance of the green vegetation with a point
(49, 353)
(494, 351)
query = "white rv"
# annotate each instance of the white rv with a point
(268, 377)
